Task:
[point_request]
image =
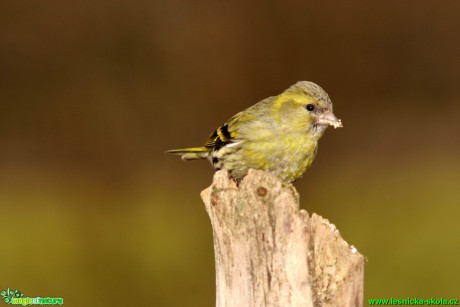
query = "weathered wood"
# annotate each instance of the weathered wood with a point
(268, 253)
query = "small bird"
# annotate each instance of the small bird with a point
(278, 134)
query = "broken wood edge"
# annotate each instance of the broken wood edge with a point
(270, 253)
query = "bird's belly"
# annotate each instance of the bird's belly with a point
(288, 160)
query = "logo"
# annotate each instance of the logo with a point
(14, 297)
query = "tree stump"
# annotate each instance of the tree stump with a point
(270, 253)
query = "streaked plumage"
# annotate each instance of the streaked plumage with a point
(278, 134)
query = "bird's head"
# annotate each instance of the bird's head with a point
(306, 106)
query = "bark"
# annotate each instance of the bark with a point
(270, 253)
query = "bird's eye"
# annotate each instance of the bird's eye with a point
(310, 107)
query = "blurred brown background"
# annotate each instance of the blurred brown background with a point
(92, 93)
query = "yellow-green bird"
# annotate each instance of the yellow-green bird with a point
(278, 134)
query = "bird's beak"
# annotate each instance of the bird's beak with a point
(328, 119)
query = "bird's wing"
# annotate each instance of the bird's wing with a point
(228, 132)
(234, 128)
(220, 137)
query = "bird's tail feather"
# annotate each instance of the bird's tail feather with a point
(191, 153)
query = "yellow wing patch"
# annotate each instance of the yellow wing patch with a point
(220, 137)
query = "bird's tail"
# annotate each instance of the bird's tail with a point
(191, 153)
